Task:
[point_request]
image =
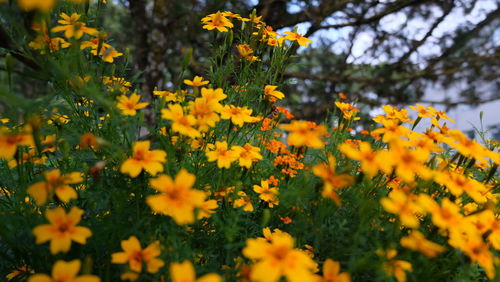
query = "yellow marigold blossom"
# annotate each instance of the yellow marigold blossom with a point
(406, 206)
(293, 36)
(169, 96)
(181, 123)
(44, 42)
(108, 54)
(237, 115)
(267, 194)
(332, 181)
(184, 272)
(465, 146)
(331, 273)
(370, 162)
(270, 90)
(445, 216)
(408, 163)
(348, 110)
(210, 94)
(222, 155)
(55, 183)
(62, 229)
(469, 241)
(304, 133)
(136, 256)
(416, 241)
(176, 198)
(42, 5)
(392, 131)
(196, 82)
(396, 268)
(424, 112)
(458, 183)
(216, 21)
(130, 105)
(205, 112)
(143, 158)
(244, 49)
(394, 113)
(243, 201)
(487, 223)
(247, 155)
(72, 27)
(65, 272)
(10, 141)
(207, 208)
(277, 257)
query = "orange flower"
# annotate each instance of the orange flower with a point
(62, 229)
(55, 183)
(244, 50)
(135, 255)
(10, 141)
(142, 158)
(72, 27)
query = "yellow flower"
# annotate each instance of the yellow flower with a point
(72, 27)
(424, 112)
(205, 112)
(136, 256)
(445, 216)
(237, 115)
(10, 141)
(108, 54)
(370, 162)
(222, 155)
(62, 229)
(142, 158)
(270, 90)
(42, 5)
(55, 183)
(459, 183)
(181, 123)
(177, 198)
(396, 268)
(247, 155)
(331, 273)
(243, 201)
(244, 50)
(277, 257)
(64, 272)
(267, 194)
(184, 272)
(216, 21)
(169, 96)
(210, 94)
(332, 181)
(196, 82)
(130, 105)
(293, 36)
(304, 133)
(416, 241)
(348, 110)
(405, 206)
(207, 209)
(408, 163)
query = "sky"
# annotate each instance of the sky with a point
(466, 117)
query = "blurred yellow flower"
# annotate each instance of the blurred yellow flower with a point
(55, 183)
(62, 229)
(136, 256)
(65, 272)
(143, 158)
(184, 272)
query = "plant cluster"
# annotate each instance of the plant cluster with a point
(215, 179)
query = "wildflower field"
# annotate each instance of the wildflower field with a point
(214, 179)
